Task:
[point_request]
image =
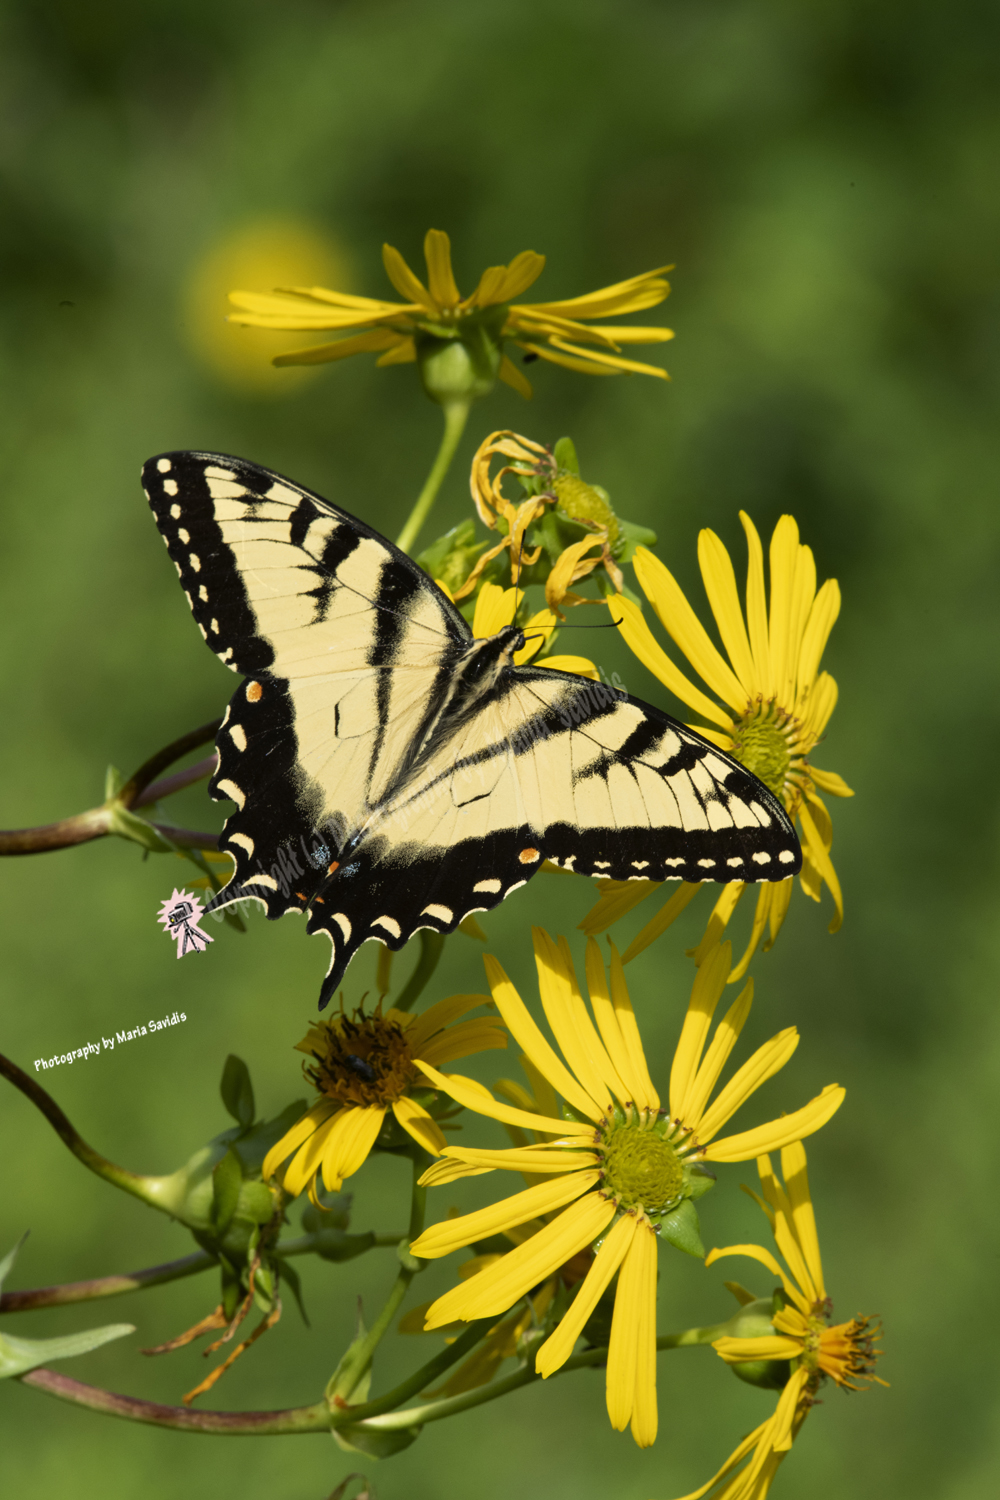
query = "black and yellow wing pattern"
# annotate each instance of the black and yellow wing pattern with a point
(390, 772)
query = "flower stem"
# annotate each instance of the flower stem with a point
(431, 949)
(147, 1189)
(140, 789)
(358, 1363)
(455, 415)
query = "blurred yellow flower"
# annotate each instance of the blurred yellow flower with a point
(777, 704)
(363, 1066)
(269, 251)
(621, 1169)
(844, 1353)
(485, 321)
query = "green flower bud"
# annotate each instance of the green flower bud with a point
(753, 1321)
(461, 363)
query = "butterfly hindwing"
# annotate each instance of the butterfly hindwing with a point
(384, 779)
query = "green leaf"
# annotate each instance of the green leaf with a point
(293, 1281)
(564, 454)
(631, 536)
(682, 1229)
(8, 1261)
(128, 826)
(227, 1179)
(375, 1441)
(20, 1355)
(700, 1180)
(237, 1091)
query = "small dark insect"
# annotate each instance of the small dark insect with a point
(528, 359)
(364, 1070)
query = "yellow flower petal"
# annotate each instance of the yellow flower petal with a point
(628, 1026)
(512, 376)
(612, 361)
(306, 1162)
(758, 1253)
(420, 1029)
(630, 1327)
(760, 916)
(645, 1418)
(784, 1230)
(322, 354)
(794, 1127)
(567, 569)
(737, 1490)
(757, 609)
(725, 1038)
(764, 1063)
(822, 617)
(720, 586)
(784, 1416)
(709, 982)
(665, 917)
(830, 782)
(559, 1345)
(549, 1157)
(627, 333)
(645, 290)
(722, 911)
(568, 362)
(530, 1038)
(300, 1131)
(821, 703)
(440, 277)
(403, 279)
(781, 895)
(682, 624)
(404, 353)
(473, 1096)
(483, 1035)
(821, 859)
(784, 550)
(544, 1197)
(737, 1351)
(793, 1169)
(639, 638)
(448, 1170)
(418, 1123)
(494, 610)
(607, 1020)
(616, 900)
(571, 1026)
(580, 666)
(350, 1140)
(496, 1289)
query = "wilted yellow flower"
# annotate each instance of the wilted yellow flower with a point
(582, 503)
(621, 1172)
(844, 1353)
(401, 332)
(364, 1066)
(776, 704)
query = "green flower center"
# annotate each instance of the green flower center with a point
(640, 1167)
(761, 744)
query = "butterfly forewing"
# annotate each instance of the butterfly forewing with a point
(370, 792)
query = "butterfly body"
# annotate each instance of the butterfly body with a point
(391, 772)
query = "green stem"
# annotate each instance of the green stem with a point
(317, 1418)
(28, 1299)
(455, 415)
(450, 1406)
(148, 1189)
(359, 1362)
(431, 949)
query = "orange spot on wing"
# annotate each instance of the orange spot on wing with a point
(333, 867)
(529, 856)
(254, 692)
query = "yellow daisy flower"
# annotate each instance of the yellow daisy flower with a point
(620, 1168)
(803, 1335)
(399, 332)
(363, 1066)
(776, 704)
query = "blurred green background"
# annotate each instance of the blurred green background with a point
(824, 177)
